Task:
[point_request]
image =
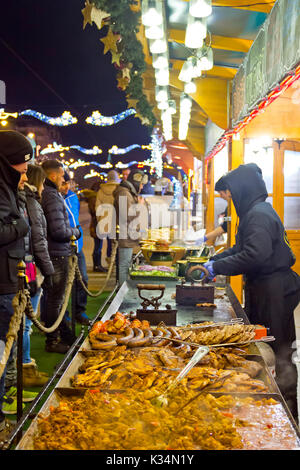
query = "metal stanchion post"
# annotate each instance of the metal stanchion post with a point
(74, 293)
(21, 277)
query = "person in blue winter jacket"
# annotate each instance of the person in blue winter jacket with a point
(73, 208)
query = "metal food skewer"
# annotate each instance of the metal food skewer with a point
(162, 400)
(234, 321)
(265, 339)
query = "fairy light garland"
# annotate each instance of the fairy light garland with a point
(97, 119)
(259, 109)
(66, 119)
(157, 152)
(115, 150)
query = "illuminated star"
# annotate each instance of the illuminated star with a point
(87, 13)
(110, 42)
(126, 73)
(122, 83)
(115, 58)
(99, 16)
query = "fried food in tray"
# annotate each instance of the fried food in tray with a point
(129, 421)
(120, 330)
(151, 369)
(235, 333)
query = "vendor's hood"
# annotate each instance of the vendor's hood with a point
(247, 187)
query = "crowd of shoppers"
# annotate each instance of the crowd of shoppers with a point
(39, 213)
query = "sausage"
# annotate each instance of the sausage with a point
(103, 344)
(157, 332)
(164, 341)
(138, 339)
(175, 335)
(148, 336)
(103, 337)
(129, 334)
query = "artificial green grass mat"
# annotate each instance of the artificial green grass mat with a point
(48, 362)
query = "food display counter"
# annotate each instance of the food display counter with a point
(107, 397)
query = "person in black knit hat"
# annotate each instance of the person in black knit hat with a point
(15, 153)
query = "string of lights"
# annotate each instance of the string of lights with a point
(97, 119)
(66, 119)
(121, 151)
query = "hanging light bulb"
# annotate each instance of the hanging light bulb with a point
(200, 8)
(160, 61)
(190, 88)
(171, 109)
(161, 93)
(185, 74)
(162, 105)
(195, 32)
(185, 104)
(158, 46)
(162, 77)
(152, 12)
(182, 129)
(166, 119)
(206, 61)
(189, 70)
(154, 32)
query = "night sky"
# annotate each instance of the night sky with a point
(50, 64)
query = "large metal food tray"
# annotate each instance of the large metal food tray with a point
(229, 307)
(73, 369)
(26, 443)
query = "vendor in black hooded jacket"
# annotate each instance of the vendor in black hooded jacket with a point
(262, 253)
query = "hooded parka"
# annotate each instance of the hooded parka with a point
(262, 253)
(13, 228)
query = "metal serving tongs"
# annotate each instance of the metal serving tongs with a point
(207, 388)
(233, 321)
(162, 400)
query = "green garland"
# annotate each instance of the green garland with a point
(125, 21)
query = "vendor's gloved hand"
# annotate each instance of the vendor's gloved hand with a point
(201, 240)
(209, 266)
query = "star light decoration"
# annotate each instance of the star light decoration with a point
(87, 13)
(99, 17)
(97, 119)
(144, 120)
(93, 14)
(122, 82)
(110, 41)
(66, 119)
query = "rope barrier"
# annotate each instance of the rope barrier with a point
(22, 303)
(112, 262)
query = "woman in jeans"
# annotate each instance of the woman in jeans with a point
(33, 188)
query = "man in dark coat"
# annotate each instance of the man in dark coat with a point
(126, 196)
(15, 152)
(59, 235)
(262, 253)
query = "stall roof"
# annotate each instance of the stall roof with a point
(233, 26)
